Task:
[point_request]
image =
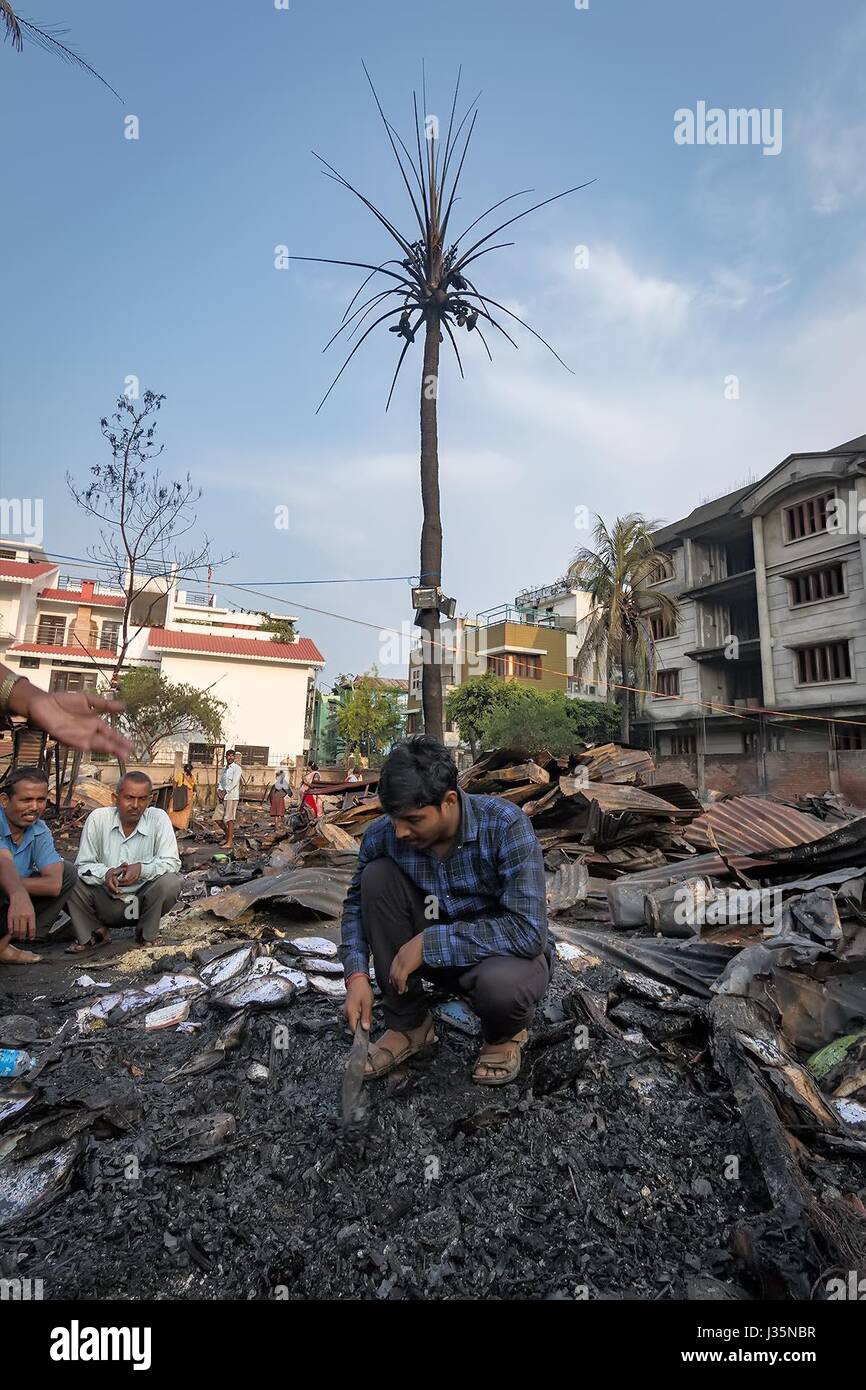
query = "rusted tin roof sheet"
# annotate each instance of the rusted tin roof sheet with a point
(750, 824)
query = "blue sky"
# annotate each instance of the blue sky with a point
(155, 258)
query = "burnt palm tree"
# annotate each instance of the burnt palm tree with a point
(618, 571)
(16, 27)
(428, 289)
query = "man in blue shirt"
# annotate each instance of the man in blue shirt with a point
(34, 881)
(449, 888)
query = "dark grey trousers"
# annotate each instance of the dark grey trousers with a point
(47, 909)
(91, 905)
(502, 990)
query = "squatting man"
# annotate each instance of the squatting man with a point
(128, 866)
(450, 889)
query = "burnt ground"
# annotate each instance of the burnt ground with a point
(600, 1173)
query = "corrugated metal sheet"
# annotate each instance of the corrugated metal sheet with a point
(752, 824)
(323, 890)
(614, 796)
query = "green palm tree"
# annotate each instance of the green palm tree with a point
(617, 571)
(17, 26)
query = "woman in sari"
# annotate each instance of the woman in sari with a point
(279, 791)
(182, 798)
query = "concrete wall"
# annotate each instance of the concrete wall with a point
(671, 655)
(788, 774)
(522, 637)
(266, 703)
(834, 619)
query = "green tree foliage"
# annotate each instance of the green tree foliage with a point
(157, 708)
(281, 629)
(471, 704)
(549, 721)
(368, 718)
(618, 571)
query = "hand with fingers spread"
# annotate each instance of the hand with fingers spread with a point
(72, 718)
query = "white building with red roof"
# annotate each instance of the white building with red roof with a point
(64, 634)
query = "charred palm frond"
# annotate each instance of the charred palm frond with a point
(431, 283)
(47, 37)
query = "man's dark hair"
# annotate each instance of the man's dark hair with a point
(23, 774)
(232, 751)
(419, 771)
(134, 777)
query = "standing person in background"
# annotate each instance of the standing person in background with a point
(309, 802)
(183, 798)
(279, 791)
(229, 794)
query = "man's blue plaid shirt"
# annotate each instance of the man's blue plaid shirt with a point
(489, 889)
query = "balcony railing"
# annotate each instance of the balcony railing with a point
(197, 600)
(505, 613)
(531, 598)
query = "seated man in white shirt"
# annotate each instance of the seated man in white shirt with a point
(128, 866)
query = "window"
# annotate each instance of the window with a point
(51, 631)
(251, 753)
(415, 680)
(683, 745)
(850, 737)
(7, 554)
(816, 585)
(662, 625)
(205, 754)
(516, 664)
(73, 680)
(110, 636)
(806, 518)
(30, 663)
(667, 684)
(829, 662)
(665, 569)
(775, 741)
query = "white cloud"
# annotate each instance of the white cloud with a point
(623, 293)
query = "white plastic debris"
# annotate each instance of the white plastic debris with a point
(314, 946)
(335, 989)
(224, 968)
(167, 1016)
(266, 965)
(315, 966)
(257, 1072)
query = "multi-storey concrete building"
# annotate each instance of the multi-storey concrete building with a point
(64, 633)
(768, 654)
(533, 642)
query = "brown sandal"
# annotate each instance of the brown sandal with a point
(506, 1057)
(101, 937)
(414, 1044)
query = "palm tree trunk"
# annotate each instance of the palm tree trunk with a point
(625, 694)
(431, 530)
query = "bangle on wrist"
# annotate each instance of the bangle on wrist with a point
(6, 688)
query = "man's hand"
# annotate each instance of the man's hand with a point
(22, 915)
(408, 959)
(72, 718)
(113, 879)
(359, 1002)
(128, 874)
